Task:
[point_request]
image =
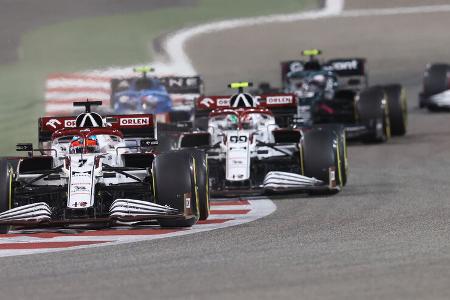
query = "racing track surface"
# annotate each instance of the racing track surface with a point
(385, 237)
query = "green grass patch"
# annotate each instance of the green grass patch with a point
(90, 43)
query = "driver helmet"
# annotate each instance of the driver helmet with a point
(92, 144)
(251, 120)
(232, 121)
(319, 79)
(76, 145)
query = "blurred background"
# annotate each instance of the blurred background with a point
(45, 37)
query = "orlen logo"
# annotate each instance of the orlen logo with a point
(134, 121)
(70, 123)
(279, 100)
(223, 102)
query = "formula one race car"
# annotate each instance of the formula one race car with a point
(102, 170)
(347, 73)
(336, 92)
(170, 98)
(436, 87)
(252, 148)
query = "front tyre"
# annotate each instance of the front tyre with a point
(174, 184)
(5, 190)
(339, 132)
(202, 181)
(322, 156)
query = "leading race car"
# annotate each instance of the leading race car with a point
(252, 147)
(170, 98)
(102, 170)
(436, 87)
(337, 91)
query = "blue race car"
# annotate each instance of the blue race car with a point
(140, 94)
(152, 95)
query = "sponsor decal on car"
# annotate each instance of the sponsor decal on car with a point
(223, 102)
(279, 100)
(345, 65)
(70, 123)
(53, 122)
(134, 121)
(188, 202)
(207, 102)
(79, 188)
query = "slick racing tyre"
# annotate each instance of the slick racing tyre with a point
(398, 109)
(339, 130)
(174, 185)
(5, 190)
(201, 167)
(320, 153)
(373, 112)
(435, 80)
(343, 155)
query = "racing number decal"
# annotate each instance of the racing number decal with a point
(81, 162)
(238, 139)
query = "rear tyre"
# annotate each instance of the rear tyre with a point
(201, 167)
(174, 185)
(320, 150)
(398, 109)
(5, 191)
(373, 112)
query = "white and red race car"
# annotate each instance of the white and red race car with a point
(252, 147)
(93, 169)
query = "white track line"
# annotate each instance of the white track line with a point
(395, 11)
(180, 64)
(258, 209)
(175, 43)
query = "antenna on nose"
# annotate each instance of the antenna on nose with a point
(87, 104)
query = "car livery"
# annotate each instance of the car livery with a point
(94, 169)
(337, 92)
(252, 147)
(169, 98)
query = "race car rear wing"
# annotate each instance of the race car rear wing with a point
(347, 66)
(173, 84)
(281, 105)
(351, 72)
(183, 84)
(131, 126)
(343, 67)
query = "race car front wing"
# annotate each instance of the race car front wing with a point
(276, 181)
(31, 213)
(126, 210)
